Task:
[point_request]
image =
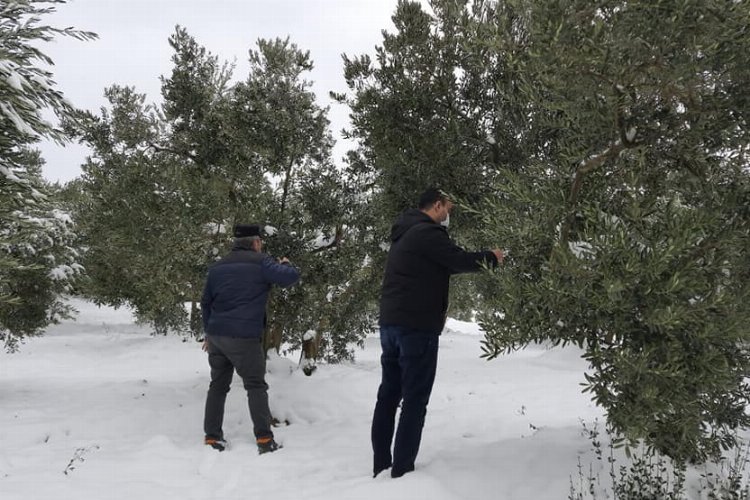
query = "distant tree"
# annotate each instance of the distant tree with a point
(147, 240)
(166, 184)
(36, 262)
(414, 107)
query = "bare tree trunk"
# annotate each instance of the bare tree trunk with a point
(273, 337)
(310, 350)
(196, 320)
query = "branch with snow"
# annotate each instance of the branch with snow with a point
(592, 163)
(323, 242)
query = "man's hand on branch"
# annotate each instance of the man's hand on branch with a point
(499, 254)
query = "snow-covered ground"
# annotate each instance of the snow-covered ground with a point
(99, 409)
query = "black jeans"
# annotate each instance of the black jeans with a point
(409, 362)
(226, 354)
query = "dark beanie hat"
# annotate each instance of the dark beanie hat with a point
(246, 231)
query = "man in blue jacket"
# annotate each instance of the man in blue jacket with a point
(413, 307)
(234, 318)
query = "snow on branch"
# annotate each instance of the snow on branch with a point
(626, 141)
(21, 125)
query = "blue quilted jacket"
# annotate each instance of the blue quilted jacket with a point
(236, 292)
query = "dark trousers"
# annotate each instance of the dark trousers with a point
(226, 354)
(409, 361)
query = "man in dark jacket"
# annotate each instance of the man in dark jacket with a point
(234, 318)
(413, 307)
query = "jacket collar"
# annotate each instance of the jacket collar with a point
(242, 244)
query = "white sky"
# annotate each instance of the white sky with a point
(132, 48)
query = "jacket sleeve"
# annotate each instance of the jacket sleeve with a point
(206, 301)
(283, 275)
(440, 248)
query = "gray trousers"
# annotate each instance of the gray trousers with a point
(226, 354)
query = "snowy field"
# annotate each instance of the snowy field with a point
(99, 409)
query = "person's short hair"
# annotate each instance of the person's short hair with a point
(251, 231)
(430, 197)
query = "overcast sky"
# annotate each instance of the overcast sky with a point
(132, 48)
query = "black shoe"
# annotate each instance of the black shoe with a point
(377, 469)
(267, 445)
(216, 444)
(400, 472)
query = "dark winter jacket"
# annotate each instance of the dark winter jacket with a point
(417, 275)
(236, 291)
